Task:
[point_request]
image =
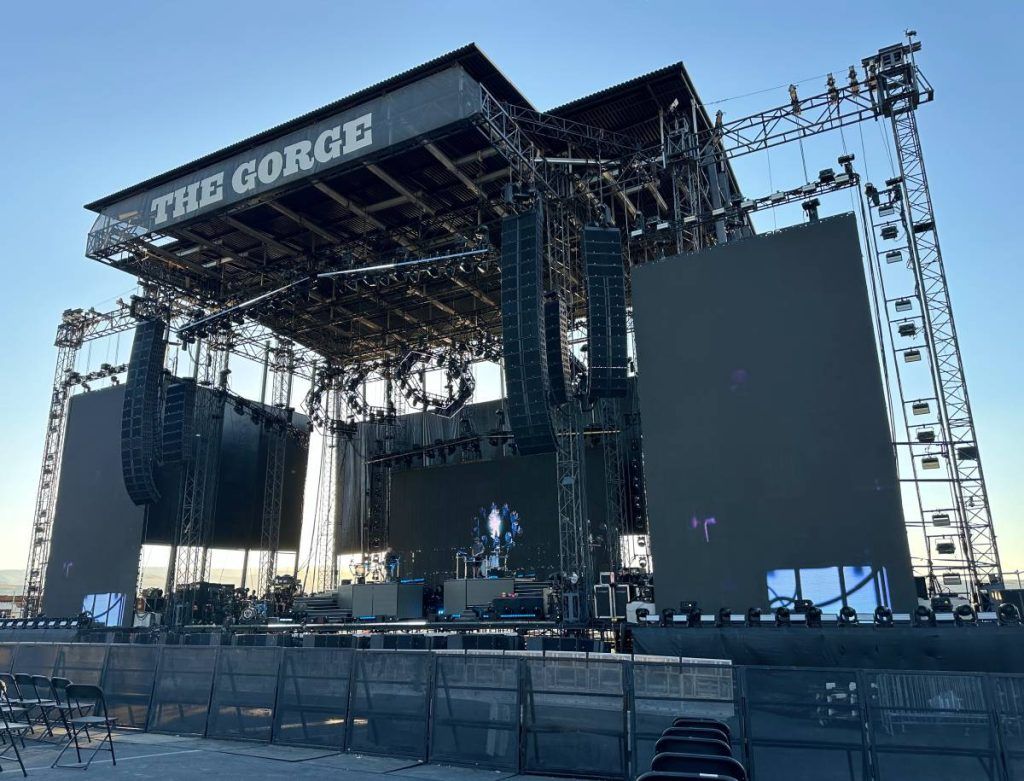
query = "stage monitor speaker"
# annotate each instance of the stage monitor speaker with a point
(140, 413)
(556, 327)
(525, 353)
(606, 311)
(178, 429)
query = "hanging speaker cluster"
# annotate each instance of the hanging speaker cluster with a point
(178, 429)
(522, 320)
(606, 311)
(141, 412)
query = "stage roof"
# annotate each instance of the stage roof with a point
(415, 166)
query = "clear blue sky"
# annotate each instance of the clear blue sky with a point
(99, 96)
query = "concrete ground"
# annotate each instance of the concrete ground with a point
(168, 757)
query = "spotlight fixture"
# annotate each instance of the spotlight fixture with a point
(754, 616)
(848, 616)
(965, 614)
(813, 614)
(782, 617)
(924, 616)
(883, 616)
(668, 616)
(1008, 614)
(724, 617)
(641, 615)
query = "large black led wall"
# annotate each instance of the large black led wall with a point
(769, 465)
(98, 529)
(434, 511)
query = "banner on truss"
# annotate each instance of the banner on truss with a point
(427, 105)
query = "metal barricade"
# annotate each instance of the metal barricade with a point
(389, 703)
(181, 696)
(312, 697)
(244, 692)
(475, 714)
(128, 679)
(575, 715)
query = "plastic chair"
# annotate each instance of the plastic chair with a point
(88, 700)
(703, 722)
(687, 745)
(700, 764)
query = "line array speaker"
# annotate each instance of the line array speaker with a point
(140, 414)
(606, 311)
(522, 321)
(178, 429)
(556, 327)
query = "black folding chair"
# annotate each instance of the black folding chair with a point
(11, 732)
(696, 732)
(663, 775)
(9, 709)
(703, 722)
(51, 701)
(700, 764)
(688, 745)
(88, 700)
(33, 702)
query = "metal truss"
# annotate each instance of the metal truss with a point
(283, 371)
(896, 94)
(323, 561)
(189, 555)
(614, 479)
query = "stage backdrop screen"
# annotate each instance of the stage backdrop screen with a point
(435, 510)
(768, 459)
(97, 529)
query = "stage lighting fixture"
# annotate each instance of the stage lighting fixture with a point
(802, 606)
(813, 619)
(883, 616)
(782, 617)
(890, 232)
(942, 603)
(1008, 614)
(925, 435)
(724, 617)
(693, 616)
(965, 614)
(668, 616)
(908, 330)
(911, 356)
(930, 462)
(641, 615)
(848, 616)
(924, 616)
(945, 548)
(903, 305)
(754, 616)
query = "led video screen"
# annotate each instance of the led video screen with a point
(768, 459)
(438, 510)
(98, 530)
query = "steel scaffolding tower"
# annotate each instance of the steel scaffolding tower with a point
(70, 336)
(189, 555)
(891, 87)
(896, 90)
(323, 564)
(283, 369)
